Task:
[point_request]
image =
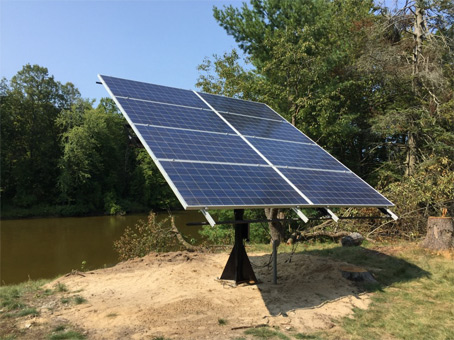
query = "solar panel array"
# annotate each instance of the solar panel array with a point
(220, 152)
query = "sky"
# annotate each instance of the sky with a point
(160, 42)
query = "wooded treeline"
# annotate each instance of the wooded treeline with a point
(60, 155)
(371, 85)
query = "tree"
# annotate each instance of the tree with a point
(30, 150)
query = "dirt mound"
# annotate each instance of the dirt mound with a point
(177, 295)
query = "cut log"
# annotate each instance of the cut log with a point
(440, 233)
(355, 273)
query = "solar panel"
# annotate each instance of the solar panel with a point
(198, 146)
(328, 188)
(173, 116)
(283, 153)
(223, 185)
(219, 152)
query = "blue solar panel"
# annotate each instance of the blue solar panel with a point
(157, 93)
(335, 188)
(215, 167)
(226, 104)
(250, 126)
(296, 155)
(200, 146)
(219, 185)
(141, 112)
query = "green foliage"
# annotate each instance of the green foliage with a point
(145, 237)
(222, 234)
(61, 156)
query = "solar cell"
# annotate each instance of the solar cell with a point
(198, 146)
(232, 105)
(220, 185)
(296, 154)
(151, 92)
(250, 126)
(335, 188)
(141, 112)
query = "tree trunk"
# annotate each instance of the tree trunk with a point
(440, 233)
(276, 228)
(411, 154)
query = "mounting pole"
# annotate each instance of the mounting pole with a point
(238, 267)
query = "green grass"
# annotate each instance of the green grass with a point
(266, 333)
(12, 298)
(414, 300)
(79, 300)
(66, 335)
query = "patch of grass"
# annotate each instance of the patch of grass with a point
(28, 311)
(266, 333)
(160, 338)
(65, 300)
(61, 287)
(415, 301)
(112, 315)
(66, 335)
(79, 299)
(59, 328)
(222, 322)
(306, 336)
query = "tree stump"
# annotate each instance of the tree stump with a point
(440, 233)
(355, 273)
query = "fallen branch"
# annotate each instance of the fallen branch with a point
(299, 236)
(245, 327)
(184, 243)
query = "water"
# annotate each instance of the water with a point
(48, 247)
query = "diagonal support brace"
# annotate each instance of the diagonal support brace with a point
(208, 217)
(301, 215)
(333, 215)
(389, 213)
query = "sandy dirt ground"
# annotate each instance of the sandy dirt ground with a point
(178, 296)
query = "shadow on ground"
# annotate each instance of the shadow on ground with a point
(310, 278)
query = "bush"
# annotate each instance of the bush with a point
(146, 237)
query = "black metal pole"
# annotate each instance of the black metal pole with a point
(238, 266)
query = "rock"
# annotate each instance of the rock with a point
(353, 240)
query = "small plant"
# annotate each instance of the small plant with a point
(79, 300)
(60, 287)
(60, 328)
(64, 300)
(83, 266)
(222, 322)
(112, 315)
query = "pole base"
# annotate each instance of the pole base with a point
(238, 267)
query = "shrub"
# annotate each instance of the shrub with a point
(145, 237)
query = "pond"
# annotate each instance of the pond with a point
(47, 247)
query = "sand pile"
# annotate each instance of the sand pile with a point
(177, 295)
